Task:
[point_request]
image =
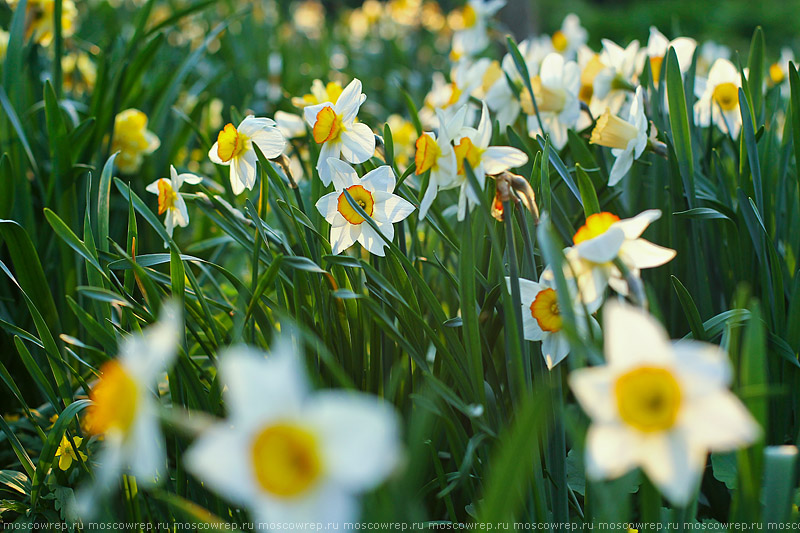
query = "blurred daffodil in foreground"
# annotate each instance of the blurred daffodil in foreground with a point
(605, 239)
(626, 138)
(542, 319)
(373, 193)
(334, 127)
(169, 199)
(234, 148)
(288, 454)
(124, 404)
(658, 405)
(133, 140)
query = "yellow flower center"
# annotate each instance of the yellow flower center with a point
(655, 68)
(328, 126)
(465, 150)
(115, 397)
(595, 226)
(613, 132)
(546, 311)
(560, 41)
(468, 16)
(362, 197)
(548, 100)
(427, 154)
(727, 96)
(230, 143)
(776, 74)
(648, 398)
(166, 196)
(455, 94)
(286, 460)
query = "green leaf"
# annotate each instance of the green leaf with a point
(679, 125)
(588, 194)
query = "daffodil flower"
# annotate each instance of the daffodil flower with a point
(169, 199)
(658, 46)
(472, 36)
(290, 125)
(132, 140)
(449, 97)
(472, 146)
(124, 407)
(604, 239)
(626, 138)
(436, 153)
(66, 453)
(570, 37)
(613, 84)
(290, 455)
(657, 405)
(556, 91)
(373, 193)
(320, 93)
(718, 101)
(542, 319)
(234, 148)
(335, 129)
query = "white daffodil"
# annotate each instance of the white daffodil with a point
(124, 407)
(234, 148)
(571, 37)
(779, 71)
(436, 153)
(373, 193)
(542, 319)
(290, 455)
(626, 138)
(602, 240)
(465, 78)
(658, 46)
(613, 84)
(657, 405)
(501, 97)
(710, 51)
(556, 91)
(169, 199)
(472, 146)
(719, 100)
(335, 129)
(472, 35)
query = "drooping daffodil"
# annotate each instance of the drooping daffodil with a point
(170, 200)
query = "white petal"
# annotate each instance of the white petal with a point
(153, 187)
(270, 141)
(390, 207)
(719, 422)
(496, 159)
(594, 389)
(640, 253)
(603, 248)
(180, 214)
(261, 386)
(251, 125)
(621, 166)
(291, 125)
(214, 157)
(555, 348)
(673, 465)
(343, 237)
(328, 504)
(360, 437)
(237, 185)
(189, 178)
(327, 151)
(349, 101)
(219, 458)
(634, 227)
(343, 175)
(146, 451)
(371, 240)
(609, 451)
(380, 179)
(485, 129)
(358, 143)
(633, 337)
(146, 355)
(428, 198)
(704, 368)
(328, 205)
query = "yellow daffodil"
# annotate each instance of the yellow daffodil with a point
(373, 193)
(66, 453)
(169, 199)
(335, 129)
(604, 239)
(626, 138)
(79, 71)
(718, 101)
(290, 455)
(39, 19)
(234, 149)
(133, 140)
(657, 405)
